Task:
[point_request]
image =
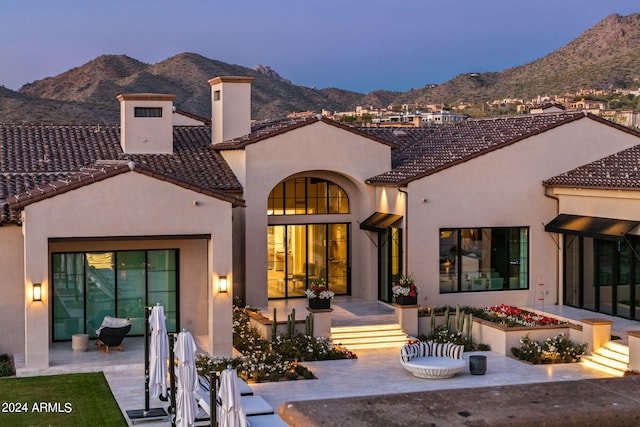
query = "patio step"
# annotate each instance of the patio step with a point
(612, 358)
(369, 336)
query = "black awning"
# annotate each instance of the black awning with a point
(379, 221)
(589, 226)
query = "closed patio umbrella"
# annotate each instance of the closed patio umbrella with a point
(186, 379)
(159, 352)
(231, 412)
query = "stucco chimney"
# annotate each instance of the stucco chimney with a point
(146, 123)
(230, 107)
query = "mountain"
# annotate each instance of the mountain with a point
(605, 56)
(97, 83)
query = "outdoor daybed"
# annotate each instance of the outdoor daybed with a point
(432, 360)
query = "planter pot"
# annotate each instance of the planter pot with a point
(319, 303)
(405, 300)
(477, 365)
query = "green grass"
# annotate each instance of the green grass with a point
(59, 400)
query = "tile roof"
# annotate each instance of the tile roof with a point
(33, 156)
(616, 172)
(269, 129)
(430, 152)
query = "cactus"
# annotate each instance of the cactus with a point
(309, 325)
(469, 327)
(447, 321)
(459, 320)
(433, 323)
(291, 323)
(274, 325)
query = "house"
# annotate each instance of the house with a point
(108, 220)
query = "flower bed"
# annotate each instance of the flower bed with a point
(273, 360)
(558, 349)
(501, 327)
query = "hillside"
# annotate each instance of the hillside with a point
(605, 56)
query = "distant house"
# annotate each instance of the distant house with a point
(108, 220)
(547, 107)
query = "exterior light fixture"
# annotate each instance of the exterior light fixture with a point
(37, 292)
(222, 284)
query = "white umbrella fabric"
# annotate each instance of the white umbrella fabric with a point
(159, 352)
(186, 379)
(231, 412)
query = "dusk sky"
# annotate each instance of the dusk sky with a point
(359, 45)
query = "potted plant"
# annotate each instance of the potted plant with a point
(405, 291)
(319, 294)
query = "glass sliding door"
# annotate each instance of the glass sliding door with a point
(132, 279)
(100, 289)
(623, 306)
(89, 286)
(162, 284)
(68, 294)
(572, 276)
(337, 257)
(299, 254)
(389, 261)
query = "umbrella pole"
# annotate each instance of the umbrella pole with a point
(172, 378)
(213, 400)
(146, 414)
(146, 358)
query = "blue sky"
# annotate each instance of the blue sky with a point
(359, 45)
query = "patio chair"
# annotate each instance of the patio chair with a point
(112, 333)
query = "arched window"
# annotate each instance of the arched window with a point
(307, 196)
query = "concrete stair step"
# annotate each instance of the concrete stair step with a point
(613, 355)
(618, 348)
(605, 361)
(589, 362)
(359, 328)
(369, 336)
(612, 358)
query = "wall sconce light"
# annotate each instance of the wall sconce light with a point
(222, 284)
(37, 292)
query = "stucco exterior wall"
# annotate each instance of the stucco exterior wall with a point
(323, 151)
(502, 189)
(12, 290)
(130, 204)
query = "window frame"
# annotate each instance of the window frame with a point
(463, 282)
(295, 196)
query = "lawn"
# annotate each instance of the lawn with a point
(59, 400)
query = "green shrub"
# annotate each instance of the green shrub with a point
(6, 366)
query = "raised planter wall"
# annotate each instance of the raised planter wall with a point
(501, 339)
(264, 325)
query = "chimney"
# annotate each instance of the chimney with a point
(146, 123)
(230, 107)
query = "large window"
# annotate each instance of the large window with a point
(602, 275)
(307, 196)
(484, 259)
(91, 285)
(299, 254)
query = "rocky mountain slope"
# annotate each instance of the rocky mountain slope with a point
(605, 56)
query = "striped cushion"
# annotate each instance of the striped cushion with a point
(455, 351)
(439, 349)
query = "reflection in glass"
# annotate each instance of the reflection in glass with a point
(298, 254)
(89, 286)
(479, 259)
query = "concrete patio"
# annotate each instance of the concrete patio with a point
(376, 372)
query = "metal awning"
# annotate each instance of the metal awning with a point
(379, 221)
(590, 226)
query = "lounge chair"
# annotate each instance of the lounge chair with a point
(112, 333)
